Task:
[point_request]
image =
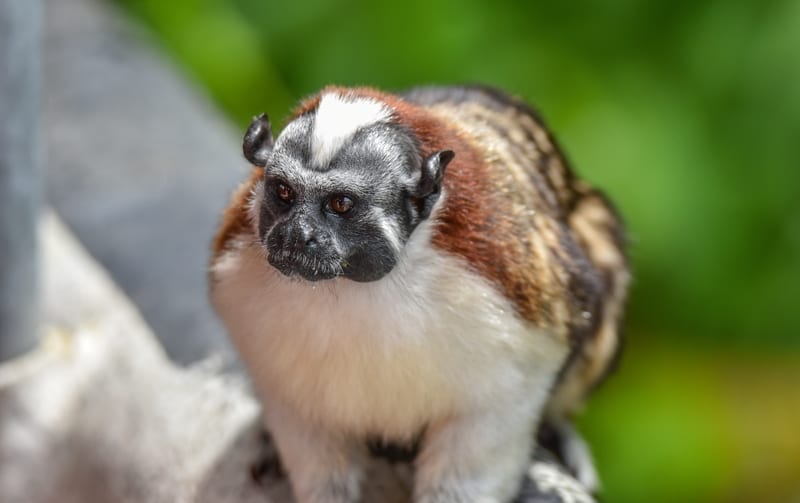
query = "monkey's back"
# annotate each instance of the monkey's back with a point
(516, 212)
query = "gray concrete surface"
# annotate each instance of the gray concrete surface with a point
(20, 35)
(139, 165)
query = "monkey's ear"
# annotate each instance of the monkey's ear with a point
(257, 143)
(429, 185)
(430, 180)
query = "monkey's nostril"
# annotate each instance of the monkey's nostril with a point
(311, 243)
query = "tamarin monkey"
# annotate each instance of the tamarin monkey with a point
(419, 268)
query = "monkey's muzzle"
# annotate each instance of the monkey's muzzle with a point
(305, 267)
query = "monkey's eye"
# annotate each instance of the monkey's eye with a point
(340, 204)
(284, 192)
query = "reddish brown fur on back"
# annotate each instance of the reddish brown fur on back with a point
(516, 213)
(477, 221)
(480, 220)
(470, 224)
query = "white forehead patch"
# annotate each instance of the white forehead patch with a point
(337, 119)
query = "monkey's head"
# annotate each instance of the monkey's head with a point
(344, 187)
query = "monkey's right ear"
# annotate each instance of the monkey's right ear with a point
(258, 141)
(429, 186)
(433, 167)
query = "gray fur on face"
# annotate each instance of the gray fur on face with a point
(376, 168)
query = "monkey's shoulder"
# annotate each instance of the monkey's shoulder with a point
(236, 223)
(509, 134)
(516, 212)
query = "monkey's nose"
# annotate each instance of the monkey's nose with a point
(309, 240)
(311, 243)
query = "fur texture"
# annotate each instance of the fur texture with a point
(496, 303)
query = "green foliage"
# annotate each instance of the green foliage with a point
(686, 112)
(685, 425)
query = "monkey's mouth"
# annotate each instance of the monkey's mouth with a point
(305, 267)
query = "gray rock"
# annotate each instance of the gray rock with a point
(20, 32)
(140, 165)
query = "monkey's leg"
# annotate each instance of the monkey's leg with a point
(323, 467)
(478, 457)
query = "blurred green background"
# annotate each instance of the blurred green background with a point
(686, 112)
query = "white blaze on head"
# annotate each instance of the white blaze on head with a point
(337, 119)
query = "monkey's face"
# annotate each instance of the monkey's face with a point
(343, 201)
(344, 218)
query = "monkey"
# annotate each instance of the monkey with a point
(419, 268)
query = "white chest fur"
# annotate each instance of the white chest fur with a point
(429, 340)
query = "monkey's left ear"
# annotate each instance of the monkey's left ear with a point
(430, 181)
(257, 143)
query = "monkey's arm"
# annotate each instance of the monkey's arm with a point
(545, 480)
(324, 468)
